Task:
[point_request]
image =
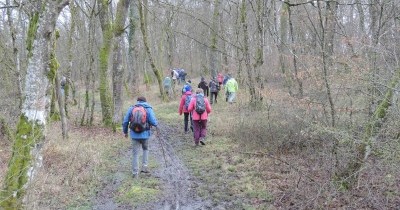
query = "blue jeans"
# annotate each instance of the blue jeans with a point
(136, 144)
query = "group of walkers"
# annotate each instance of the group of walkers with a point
(194, 105)
(191, 103)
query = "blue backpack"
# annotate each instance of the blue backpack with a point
(187, 101)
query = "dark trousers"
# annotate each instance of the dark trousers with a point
(186, 117)
(200, 130)
(213, 97)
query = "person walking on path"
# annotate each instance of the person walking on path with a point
(203, 85)
(214, 89)
(220, 78)
(139, 137)
(231, 87)
(200, 108)
(174, 76)
(183, 109)
(187, 87)
(167, 83)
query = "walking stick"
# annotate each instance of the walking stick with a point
(161, 144)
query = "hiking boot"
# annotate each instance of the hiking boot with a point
(145, 169)
(202, 141)
(135, 176)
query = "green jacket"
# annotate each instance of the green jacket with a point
(231, 86)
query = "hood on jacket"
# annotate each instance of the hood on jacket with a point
(144, 104)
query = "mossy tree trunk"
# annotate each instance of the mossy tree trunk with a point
(104, 86)
(143, 28)
(33, 118)
(118, 64)
(364, 149)
(246, 52)
(133, 67)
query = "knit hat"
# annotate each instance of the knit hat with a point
(141, 98)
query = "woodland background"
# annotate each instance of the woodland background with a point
(319, 81)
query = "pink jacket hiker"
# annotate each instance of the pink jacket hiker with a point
(195, 115)
(182, 108)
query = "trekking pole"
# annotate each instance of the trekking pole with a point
(161, 144)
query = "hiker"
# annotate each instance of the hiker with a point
(214, 89)
(231, 87)
(220, 78)
(63, 82)
(226, 78)
(174, 76)
(187, 87)
(183, 108)
(139, 132)
(203, 85)
(167, 83)
(182, 75)
(200, 108)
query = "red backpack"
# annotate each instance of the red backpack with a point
(138, 121)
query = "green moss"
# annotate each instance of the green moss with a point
(140, 191)
(105, 93)
(54, 65)
(28, 133)
(33, 25)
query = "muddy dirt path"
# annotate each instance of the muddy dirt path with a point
(179, 186)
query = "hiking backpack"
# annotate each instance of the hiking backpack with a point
(187, 101)
(138, 122)
(200, 104)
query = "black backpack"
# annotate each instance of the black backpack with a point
(200, 104)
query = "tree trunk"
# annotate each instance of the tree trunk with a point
(16, 55)
(87, 115)
(133, 67)
(32, 121)
(327, 25)
(68, 73)
(224, 61)
(118, 66)
(104, 88)
(214, 40)
(246, 52)
(259, 56)
(54, 65)
(143, 28)
(294, 54)
(282, 46)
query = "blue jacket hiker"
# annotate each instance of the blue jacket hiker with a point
(140, 139)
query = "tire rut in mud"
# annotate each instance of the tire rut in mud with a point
(177, 184)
